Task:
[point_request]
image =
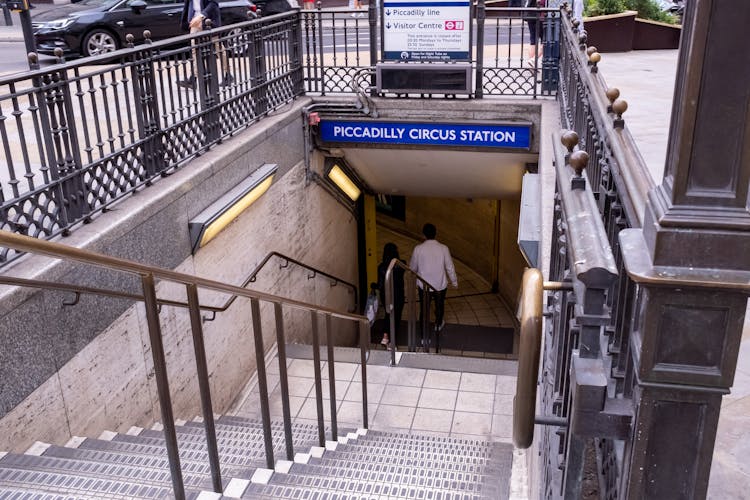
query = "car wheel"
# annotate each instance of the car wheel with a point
(99, 41)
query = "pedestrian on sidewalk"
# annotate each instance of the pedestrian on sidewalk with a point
(432, 261)
(390, 252)
(195, 13)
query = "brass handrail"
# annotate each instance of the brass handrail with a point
(148, 275)
(60, 251)
(79, 289)
(524, 402)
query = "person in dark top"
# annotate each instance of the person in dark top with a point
(194, 16)
(390, 252)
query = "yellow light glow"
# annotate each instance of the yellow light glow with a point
(344, 183)
(234, 211)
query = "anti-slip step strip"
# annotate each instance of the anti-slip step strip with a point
(193, 467)
(443, 480)
(74, 484)
(117, 472)
(36, 494)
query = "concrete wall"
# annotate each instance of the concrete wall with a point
(511, 263)
(79, 370)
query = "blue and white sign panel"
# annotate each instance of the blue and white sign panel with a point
(427, 134)
(427, 30)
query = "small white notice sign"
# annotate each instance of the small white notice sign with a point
(426, 30)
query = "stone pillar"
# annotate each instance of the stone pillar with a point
(691, 261)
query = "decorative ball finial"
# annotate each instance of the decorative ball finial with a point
(619, 107)
(147, 35)
(594, 59)
(578, 160)
(32, 57)
(582, 39)
(209, 23)
(612, 94)
(569, 139)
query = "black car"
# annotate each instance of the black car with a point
(93, 27)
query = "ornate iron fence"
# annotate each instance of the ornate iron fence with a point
(618, 180)
(78, 136)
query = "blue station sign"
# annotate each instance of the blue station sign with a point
(517, 136)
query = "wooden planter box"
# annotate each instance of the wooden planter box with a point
(650, 35)
(612, 33)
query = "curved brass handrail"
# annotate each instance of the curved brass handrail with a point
(524, 402)
(58, 250)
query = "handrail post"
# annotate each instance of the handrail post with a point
(479, 78)
(260, 360)
(364, 340)
(162, 384)
(331, 378)
(412, 310)
(318, 381)
(284, 380)
(373, 23)
(425, 316)
(204, 386)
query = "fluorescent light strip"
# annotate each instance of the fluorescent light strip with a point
(344, 183)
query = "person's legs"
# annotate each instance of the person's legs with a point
(424, 323)
(386, 330)
(439, 308)
(533, 34)
(189, 82)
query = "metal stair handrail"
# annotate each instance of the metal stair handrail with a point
(411, 298)
(254, 274)
(148, 275)
(524, 402)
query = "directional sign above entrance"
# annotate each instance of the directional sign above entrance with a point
(426, 30)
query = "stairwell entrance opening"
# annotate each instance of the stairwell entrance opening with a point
(459, 166)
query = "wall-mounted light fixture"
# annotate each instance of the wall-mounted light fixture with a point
(337, 171)
(206, 225)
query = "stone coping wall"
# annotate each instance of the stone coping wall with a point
(78, 370)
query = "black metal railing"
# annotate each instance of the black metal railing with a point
(149, 276)
(285, 261)
(78, 136)
(618, 181)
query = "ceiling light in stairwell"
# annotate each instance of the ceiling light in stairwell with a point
(344, 183)
(211, 221)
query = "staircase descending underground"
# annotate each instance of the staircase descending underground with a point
(360, 464)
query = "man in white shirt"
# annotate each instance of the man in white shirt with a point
(432, 261)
